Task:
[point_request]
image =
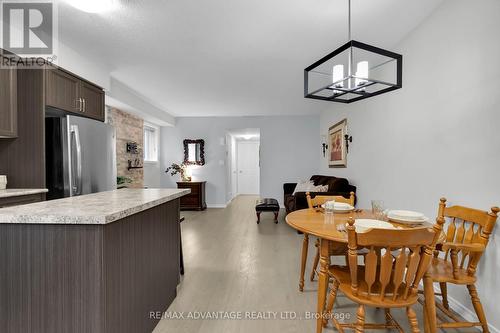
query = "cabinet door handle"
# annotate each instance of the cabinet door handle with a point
(84, 104)
(78, 104)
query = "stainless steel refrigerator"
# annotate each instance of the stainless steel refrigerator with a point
(80, 155)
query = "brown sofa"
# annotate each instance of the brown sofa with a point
(336, 186)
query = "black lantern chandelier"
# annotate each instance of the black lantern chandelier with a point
(371, 71)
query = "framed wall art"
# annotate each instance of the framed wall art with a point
(337, 157)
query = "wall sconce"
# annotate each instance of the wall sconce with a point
(348, 139)
(324, 145)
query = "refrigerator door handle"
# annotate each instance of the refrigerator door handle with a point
(76, 185)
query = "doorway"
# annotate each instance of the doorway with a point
(248, 163)
(243, 161)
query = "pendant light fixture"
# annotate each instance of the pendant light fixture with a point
(353, 72)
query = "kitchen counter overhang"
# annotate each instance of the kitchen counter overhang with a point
(97, 208)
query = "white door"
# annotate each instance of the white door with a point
(248, 167)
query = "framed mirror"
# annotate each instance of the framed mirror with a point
(194, 152)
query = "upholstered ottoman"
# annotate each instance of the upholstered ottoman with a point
(267, 205)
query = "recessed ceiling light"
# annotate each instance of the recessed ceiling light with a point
(93, 6)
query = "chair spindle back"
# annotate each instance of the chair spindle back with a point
(396, 260)
(467, 234)
(318, 200)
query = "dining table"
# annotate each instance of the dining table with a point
(330, 229)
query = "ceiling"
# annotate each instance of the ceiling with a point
(230, 57)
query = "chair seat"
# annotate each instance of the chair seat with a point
(342, 275)
(442, 271)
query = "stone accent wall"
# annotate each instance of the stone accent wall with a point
(129, 128)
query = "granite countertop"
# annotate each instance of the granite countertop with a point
(97, 208)
(18, 192)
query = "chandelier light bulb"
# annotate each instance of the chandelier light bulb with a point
(361, 72)
(338, 75)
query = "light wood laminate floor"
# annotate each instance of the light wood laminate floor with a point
(233, 264)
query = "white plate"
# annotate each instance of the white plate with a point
(404, 221)
(343, 210)
(363, 225)
(406, 215)
(341, 207)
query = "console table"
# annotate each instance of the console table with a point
(196, 199)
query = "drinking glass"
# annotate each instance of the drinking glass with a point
(329, 212)
(378, 208)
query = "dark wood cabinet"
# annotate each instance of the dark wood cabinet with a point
(196, 199)
(25, 94)
(68, 92)
(93, 100)
(21, 200)
(62, 90)
(23, 159)
(8, 103)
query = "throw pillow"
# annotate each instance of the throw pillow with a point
(304, 186)
(321, 188)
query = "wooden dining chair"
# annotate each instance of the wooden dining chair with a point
(318, 200)
(393, 267)
(456, 260)
(315, 202)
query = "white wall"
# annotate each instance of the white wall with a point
(127, 99)
(289, 148)
(152, 175)
(439, 135)
(152, 170)
(118, 94)
(233, 181)
(90, 69)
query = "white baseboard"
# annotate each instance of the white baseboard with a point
(219, 205)
(216, 205)
(465, 312)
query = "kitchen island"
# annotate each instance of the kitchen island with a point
(94, 263)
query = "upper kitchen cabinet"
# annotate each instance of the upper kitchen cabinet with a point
(8, 103)
(62, 90)
(68, 92)
(93, 100)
